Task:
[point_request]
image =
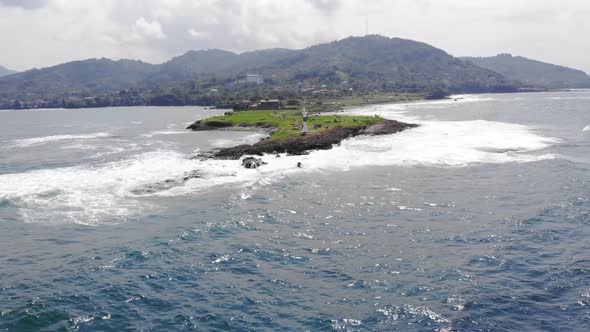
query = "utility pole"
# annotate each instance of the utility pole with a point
(304, 130)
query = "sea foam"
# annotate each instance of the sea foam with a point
(249, 139)
(89, 194)
(92, 194)
(27, 142)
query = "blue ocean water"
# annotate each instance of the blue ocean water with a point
(476, 221)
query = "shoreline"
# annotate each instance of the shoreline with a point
(303, 145)
(300, 145)
(352, 102)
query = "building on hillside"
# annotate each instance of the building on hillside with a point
(242, 105)
(269, 104)
(252, 78)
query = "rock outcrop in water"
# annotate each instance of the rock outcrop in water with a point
(252, 162)
(302, 145)
(166, 184)
(211, 125)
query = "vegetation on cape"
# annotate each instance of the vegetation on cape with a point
(355, 65)
(346, 100)
(533, 73)
(284, 124)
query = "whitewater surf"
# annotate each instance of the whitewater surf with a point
(90, 194)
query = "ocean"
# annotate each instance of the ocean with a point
(478, 220)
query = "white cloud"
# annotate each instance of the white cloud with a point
(26, 4)
(160, 13)
(149, 30)
(195, 34)
(47, 32)
(327, 6)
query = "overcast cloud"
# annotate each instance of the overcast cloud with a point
(38, 33)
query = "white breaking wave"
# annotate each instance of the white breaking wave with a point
(87, 195)
(27, 142)
(250, 139)
(164, 133)
(587, 128)
(38, 109)
(571, 98)
(113, 191)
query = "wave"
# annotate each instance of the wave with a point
(94, 194)
(165, 133)
(587, 128)
(27, 142)
(249, 139)
(570, 98)
(38, 109)
(90, 195)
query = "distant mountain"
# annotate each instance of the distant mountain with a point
(534, 73)
(80, 78)
(374, 60)
(388, 64)
(4, 71)
(365, 63)
(195, 63)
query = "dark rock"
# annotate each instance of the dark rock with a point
(210, 125)
(302, 145)
(252, 162)
(166, 184)
(386, 127)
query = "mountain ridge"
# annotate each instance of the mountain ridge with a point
(370, 63)
(5, 71)
(533, 72)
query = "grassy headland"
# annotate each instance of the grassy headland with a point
(355, 100)
(284, 126)
(284, 123)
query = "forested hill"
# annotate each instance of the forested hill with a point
(4, 71)
(81, 78)
(387, 63)
(371, 62)
(358, 63)
(534, 73)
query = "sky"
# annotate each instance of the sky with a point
(41, 33)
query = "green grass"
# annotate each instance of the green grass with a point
(281, 122)
(378, 98)
(348, 101)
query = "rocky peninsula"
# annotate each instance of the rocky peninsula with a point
(284, 132)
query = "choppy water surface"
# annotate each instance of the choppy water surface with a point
(476, 221)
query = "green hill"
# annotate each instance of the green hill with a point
(388, 64)
(375, 61)
(372, 63)
(80, 78)
(195, 64)
(534, 73)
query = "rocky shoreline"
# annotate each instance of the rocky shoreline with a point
(302, 145)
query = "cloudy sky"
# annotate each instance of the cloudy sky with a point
(38, 33)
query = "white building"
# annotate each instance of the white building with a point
(251, 78)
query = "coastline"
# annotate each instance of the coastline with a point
(284, 131)
(305, 144)
(317, 104)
